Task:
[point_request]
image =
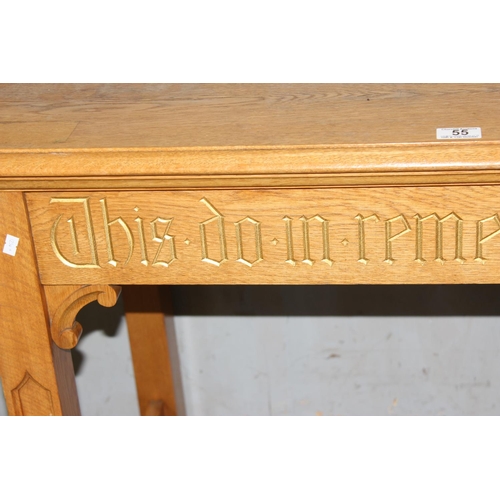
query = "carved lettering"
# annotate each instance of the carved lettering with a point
(219, 219)
(142, 241)
(439, 237)
(109, 240)
(74, 237)
(361, 235)
(258, 242)
(90, 233)
(325, 231)
(161, 240)
(315, 241)
(290, 259)
(481, 239)
(389, 237)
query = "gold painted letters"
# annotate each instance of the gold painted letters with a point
(142, 241)
(480, 239)
(439, 237)
(219, 219)
(389, 237)
(90, 233)
(83, 248)
(325, 233)
(107, 232)
(161, 240)
(290, 259)
(258, 242)
(361, 235)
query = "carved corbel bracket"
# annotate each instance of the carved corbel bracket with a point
(64, 303)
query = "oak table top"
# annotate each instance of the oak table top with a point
(181, 136)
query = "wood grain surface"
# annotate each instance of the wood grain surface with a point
(227, 184)
(147, 322)
(400, 165)
(356, 235)
(197, 115)
(37, 376)
(107, 136)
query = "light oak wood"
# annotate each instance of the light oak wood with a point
(201, 136)
(65, 302)
(154, 409)
(270, 236)
(249, 115)
(171, 184)
(37, 376)
(146, 321)
(174, 169)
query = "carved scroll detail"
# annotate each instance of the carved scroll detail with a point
(65, 330)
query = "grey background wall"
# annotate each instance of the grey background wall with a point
(352, 350)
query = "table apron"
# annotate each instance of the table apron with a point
(376, 235)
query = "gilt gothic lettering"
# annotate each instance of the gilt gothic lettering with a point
(74, 238)
(91, 233)
(439, 236)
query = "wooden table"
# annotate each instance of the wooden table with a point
(108, 185)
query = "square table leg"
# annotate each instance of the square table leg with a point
(150, 327)
(37, 376)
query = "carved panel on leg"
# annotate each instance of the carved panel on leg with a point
(32, 398)
(37, 377)
(64, 303)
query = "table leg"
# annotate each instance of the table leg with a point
(156, 370)
(37, 376)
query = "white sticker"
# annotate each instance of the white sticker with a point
(10, 247)
(459, 133)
